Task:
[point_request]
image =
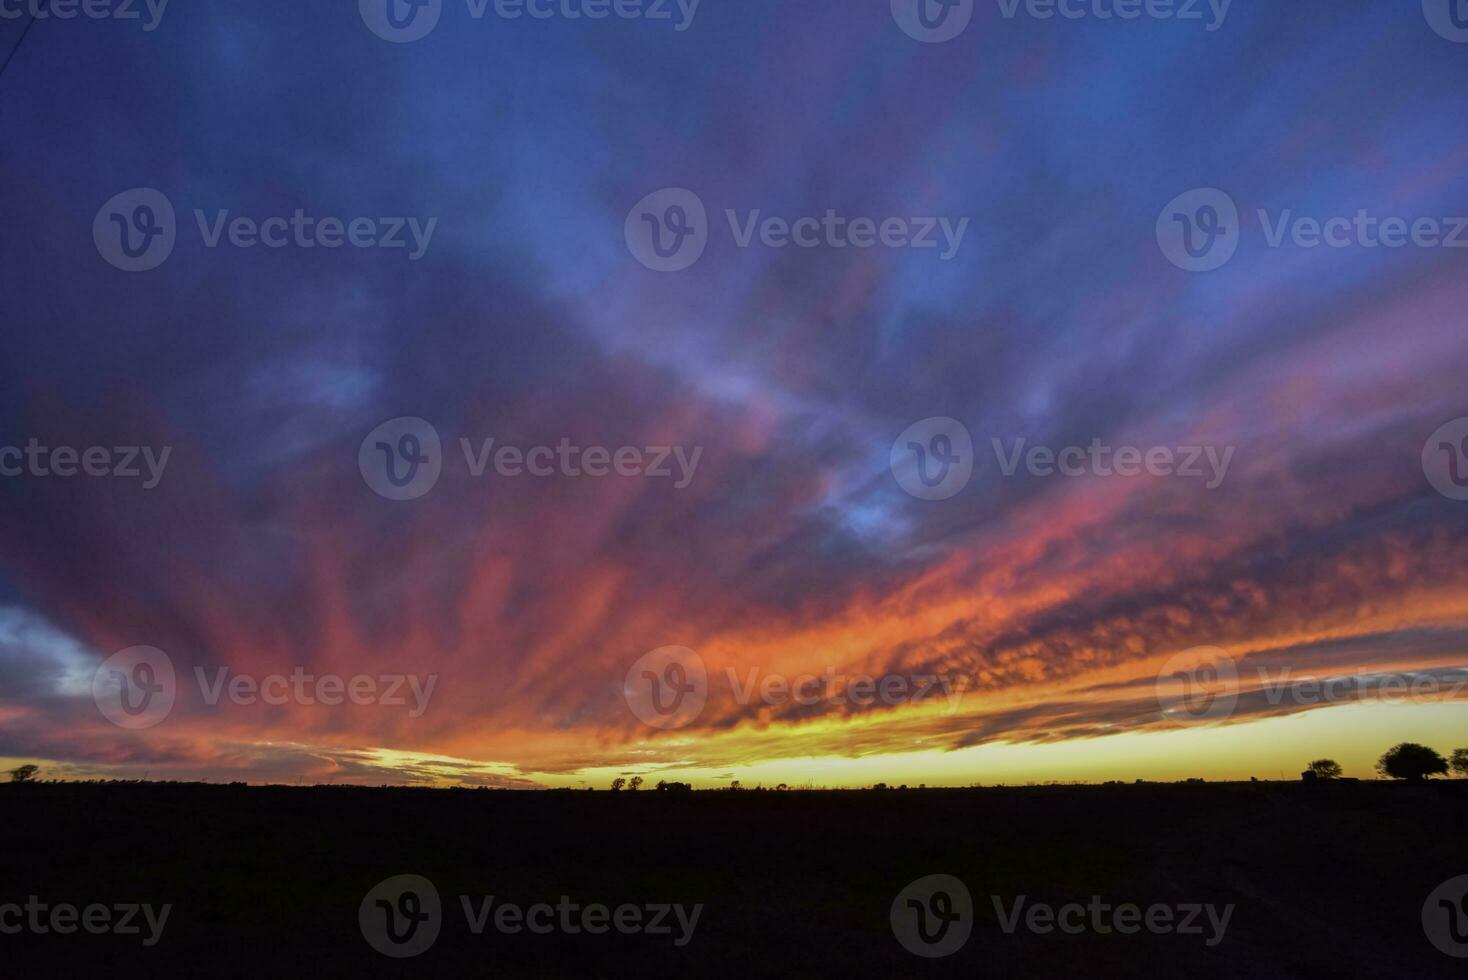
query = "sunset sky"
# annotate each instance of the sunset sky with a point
(1042, 607)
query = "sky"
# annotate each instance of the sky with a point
(513, 186)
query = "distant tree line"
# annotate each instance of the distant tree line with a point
(1405, 760)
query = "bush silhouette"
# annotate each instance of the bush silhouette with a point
(23, 773)
(1412, 762)
(1459, 762)
(1325, 769)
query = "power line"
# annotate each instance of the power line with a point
(11, 57)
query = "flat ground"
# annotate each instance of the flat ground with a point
(1326, 881)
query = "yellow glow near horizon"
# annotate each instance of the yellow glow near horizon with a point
(1355, 735)
(1273, 748)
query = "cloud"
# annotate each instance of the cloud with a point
(1047, 602)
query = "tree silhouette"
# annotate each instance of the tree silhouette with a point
(636, 782)
(1412, 762)
(23, 773)
(1326, 769)
(1459, 762)
(618, 783)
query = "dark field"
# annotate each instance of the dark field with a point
(1326, 881)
